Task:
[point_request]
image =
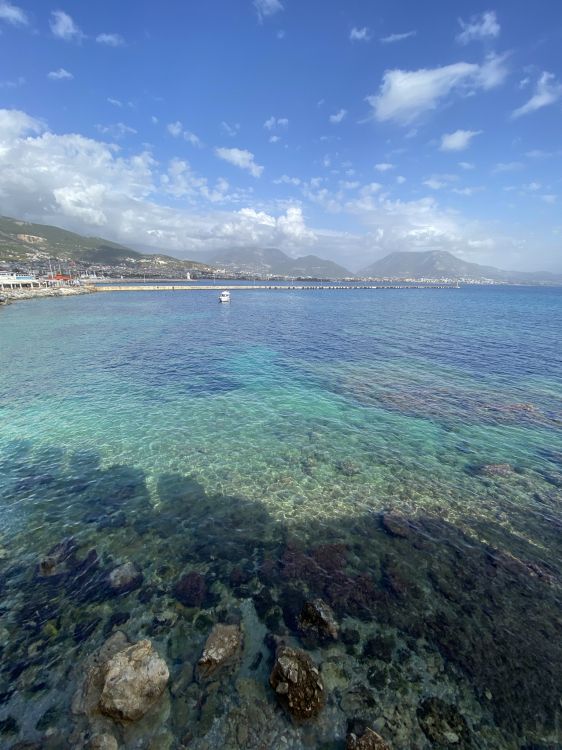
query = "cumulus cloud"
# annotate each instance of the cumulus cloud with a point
(266, 8)
(359, 35)
(547, 91)
(458, 141)
(63, 27)
(276, 122)
(404, 95)
(384, 166)
(338, 116)
(117, 130)
(480, 27)
(60, 75)
(177, 130)
(110, 40)
(240, 158)
(391, 38)
(230, 129)
(12, 14)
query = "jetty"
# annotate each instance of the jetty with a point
(255, 287)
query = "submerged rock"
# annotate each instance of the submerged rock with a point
(58, 559)
(125, 578)
(370, 740)
(103, 742)
(191, 589)
(495, 470)
(223, 645)
(395, 524)
(318, 620)
(297, 683)
(442, 724)
(134, 680)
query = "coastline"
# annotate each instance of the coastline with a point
(15, 295)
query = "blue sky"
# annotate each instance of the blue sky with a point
(346, 129)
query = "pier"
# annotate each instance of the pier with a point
(249, 287)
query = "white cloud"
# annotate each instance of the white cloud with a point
(286, 180)
(391, 38)
(176, 130)
(276, 122)
(117, 130)
(60, 75)
(400, 180)
(439, 181)
(64, 27)
(510, 166)
(466, 165)
(384, 167)
(274, 139)
(13, 84)
(467, 191)
(12, 14)
(547, 91)
(359, 35)
(338, 117)
(115, 102)
(266, 8)
(484, 26)
(404, 95)
(111, 40)
(231, 130)
(240, 158)
(458, 141)
(551, 199)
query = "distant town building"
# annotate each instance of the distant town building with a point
(18, 281)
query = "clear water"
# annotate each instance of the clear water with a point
(262, 444)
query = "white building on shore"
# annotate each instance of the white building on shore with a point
(18, 281)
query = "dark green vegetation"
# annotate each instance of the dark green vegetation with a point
(25, 242)
(441, 264)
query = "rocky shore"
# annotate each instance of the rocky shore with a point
(14, 295)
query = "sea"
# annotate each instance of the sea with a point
(395, 453)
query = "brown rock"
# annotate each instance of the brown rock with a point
(125, 578)
(223, 645)
(134, 680)
(297, 683)
(496, 470)
(368, 741)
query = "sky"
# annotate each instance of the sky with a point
(348, 129)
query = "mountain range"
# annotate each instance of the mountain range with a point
(270, 261)
(28, 243)
(440, 264)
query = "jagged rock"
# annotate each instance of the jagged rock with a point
(86, 698)
(223, 645)
(368, 741)
(317, 619)
(134, 680)
(103, 742)
(297, 683)
(125, 578)
(395, 524)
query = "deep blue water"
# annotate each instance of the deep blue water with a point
(261, 445)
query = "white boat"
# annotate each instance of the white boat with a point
(224, 296)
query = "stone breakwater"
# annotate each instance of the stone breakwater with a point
(14, 295)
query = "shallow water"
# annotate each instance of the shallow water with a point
(260, 444)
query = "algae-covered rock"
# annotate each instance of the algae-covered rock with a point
(443, 725)
(134, 680)
(318, 620)
(297, 683)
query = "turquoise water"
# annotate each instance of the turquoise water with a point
(261, 445)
